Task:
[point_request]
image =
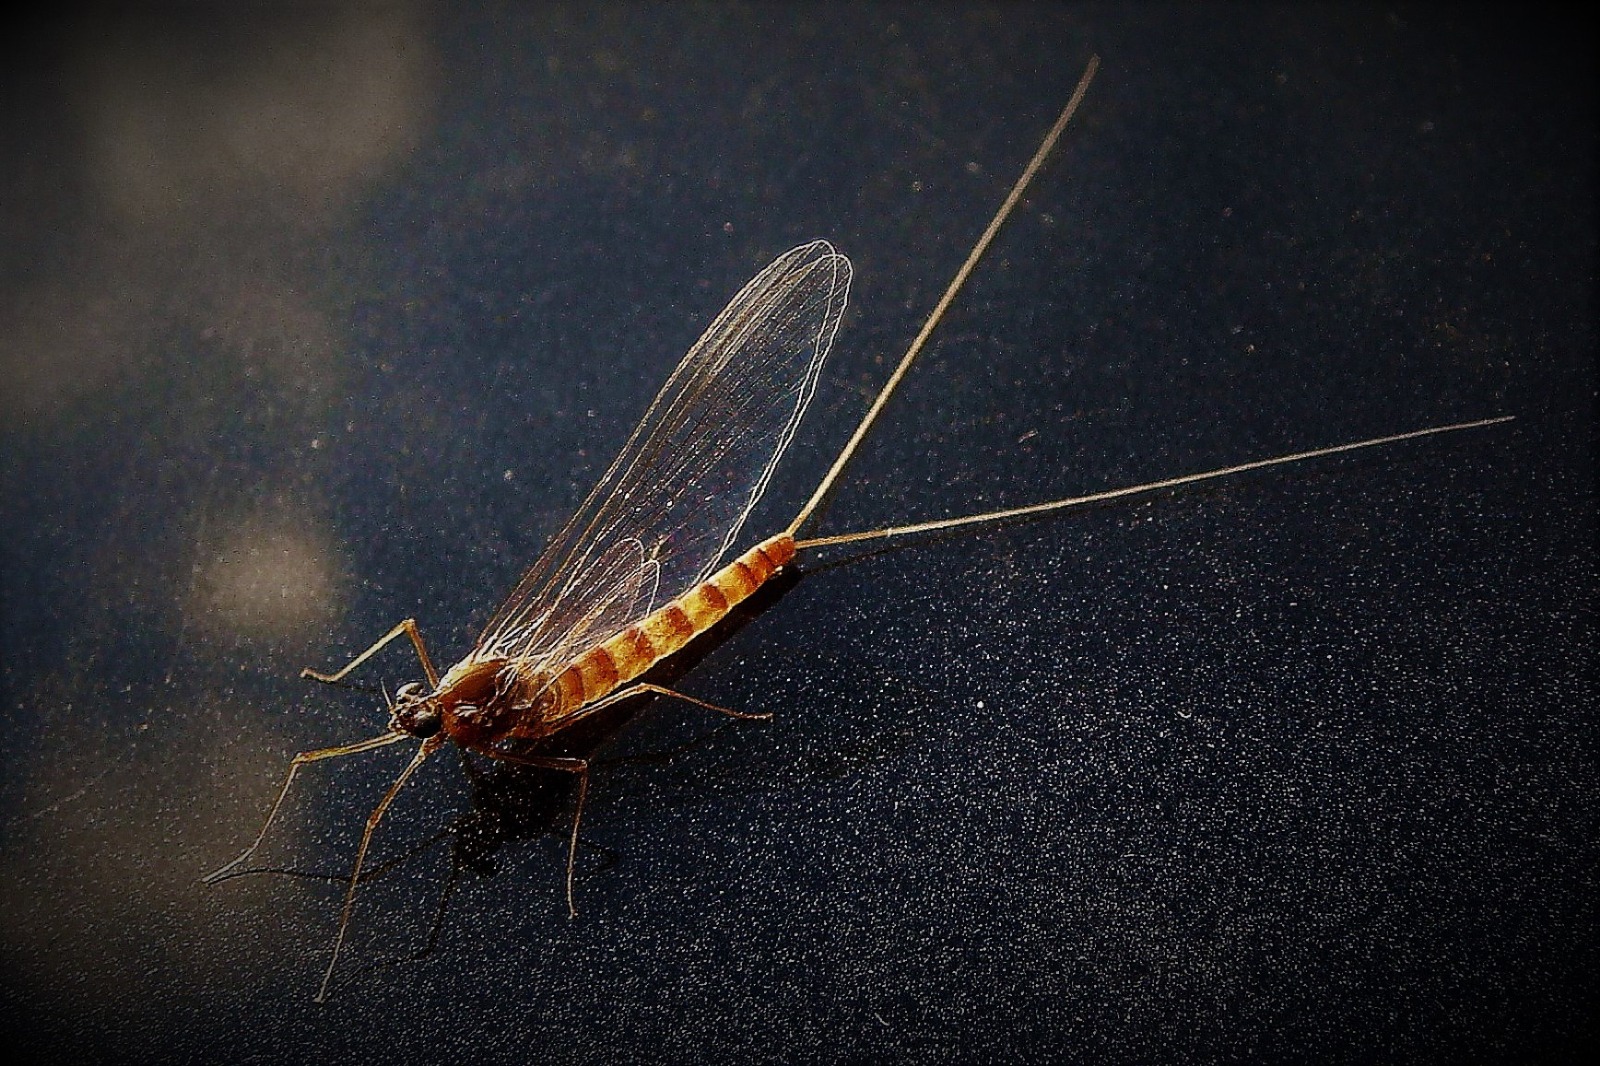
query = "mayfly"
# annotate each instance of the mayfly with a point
(638, 571)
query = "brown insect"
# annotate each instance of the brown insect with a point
(637, 572)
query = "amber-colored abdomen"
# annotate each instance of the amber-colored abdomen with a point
(602, 669)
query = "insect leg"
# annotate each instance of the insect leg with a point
(409, 628)
(572, 765)
(642, 687)
(428, 747)
(294, 767)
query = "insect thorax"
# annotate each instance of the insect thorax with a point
(484, 702)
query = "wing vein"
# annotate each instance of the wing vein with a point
(671, 504)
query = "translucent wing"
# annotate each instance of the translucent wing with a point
(674, 500)
(619, 585)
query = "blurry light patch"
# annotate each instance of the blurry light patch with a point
(299, 109)
(211, 148)
(279, 337)
(267, 580)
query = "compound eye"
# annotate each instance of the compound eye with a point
(425, 723)
(409, 691)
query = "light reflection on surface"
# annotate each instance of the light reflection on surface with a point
(208, 166)
(302, 111)
(266, 580)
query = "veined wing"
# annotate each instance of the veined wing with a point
(619, 583)
(690, 473)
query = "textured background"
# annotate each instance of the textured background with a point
(313, 323)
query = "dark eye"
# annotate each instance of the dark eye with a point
(424, 722)
(417, 717)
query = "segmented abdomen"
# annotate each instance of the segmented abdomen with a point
(603, 668)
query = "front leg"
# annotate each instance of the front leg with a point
(409, 628)
(294, 767)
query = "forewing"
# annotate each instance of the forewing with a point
(692, 470)
(619, 583)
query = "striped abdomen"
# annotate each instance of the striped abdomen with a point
(607, 666)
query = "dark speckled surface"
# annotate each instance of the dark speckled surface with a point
(311, 324)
